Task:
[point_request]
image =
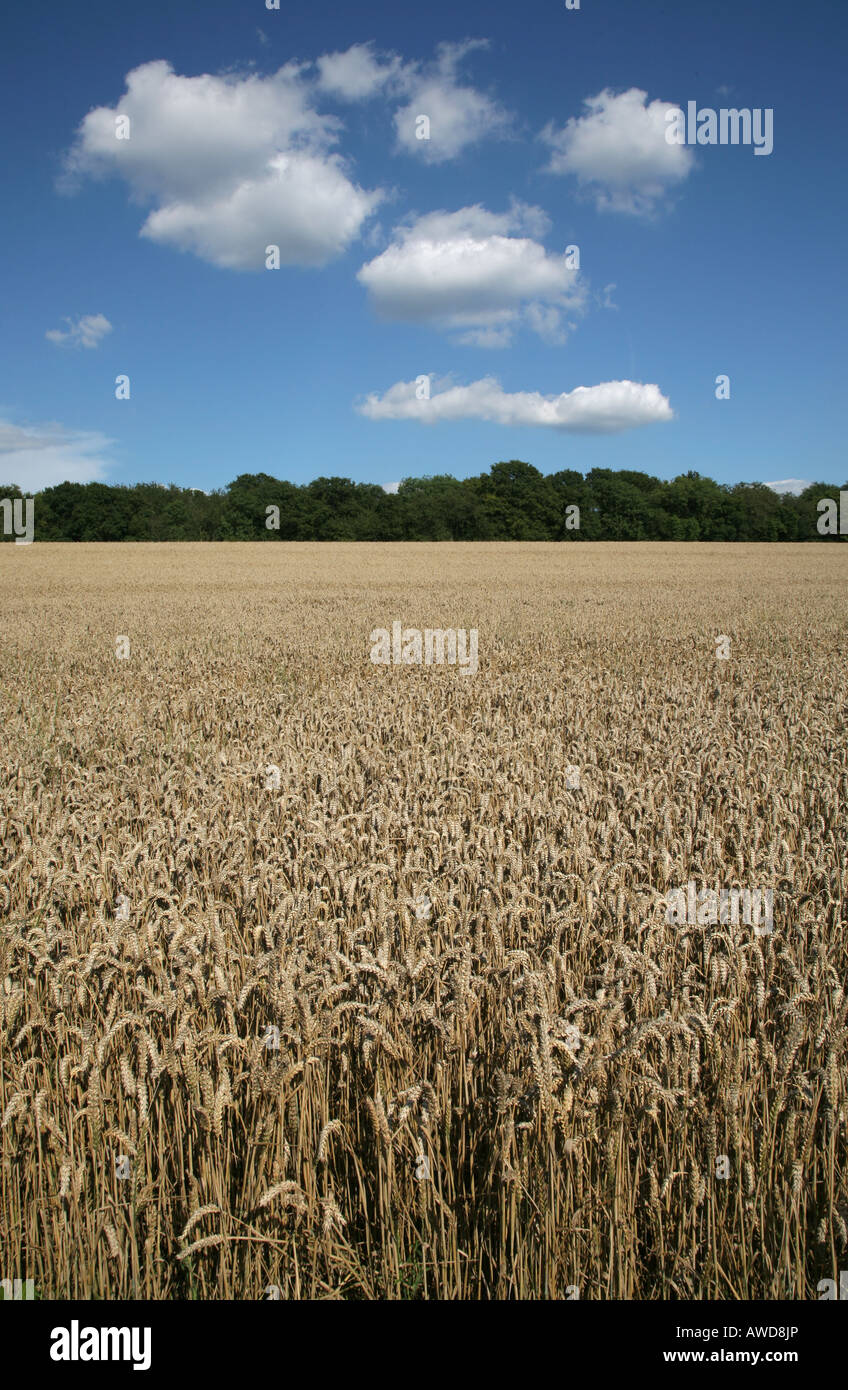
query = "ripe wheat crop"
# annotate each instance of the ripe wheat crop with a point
(408, 1019)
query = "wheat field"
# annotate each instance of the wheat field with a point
(326, 979)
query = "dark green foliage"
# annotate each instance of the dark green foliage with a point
(513, 502)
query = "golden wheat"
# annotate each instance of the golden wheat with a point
(357, 981)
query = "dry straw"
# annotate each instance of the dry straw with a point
(530, 1083)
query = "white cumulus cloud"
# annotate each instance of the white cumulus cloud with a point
(619, 153)
(39, 456)
(608, 408)
(231, 164)
(464, 271)
(87, 332)
(304, 204)
(459, 115)
(357, 74)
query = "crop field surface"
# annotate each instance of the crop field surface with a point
(323, 977)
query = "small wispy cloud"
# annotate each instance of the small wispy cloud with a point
(39, 456)
(794, 485)
(459, 115)
(87, 332)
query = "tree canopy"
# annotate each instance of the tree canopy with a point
(513, 501)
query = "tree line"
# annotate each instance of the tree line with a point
(512, 502)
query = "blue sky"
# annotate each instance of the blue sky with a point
(404, 257)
